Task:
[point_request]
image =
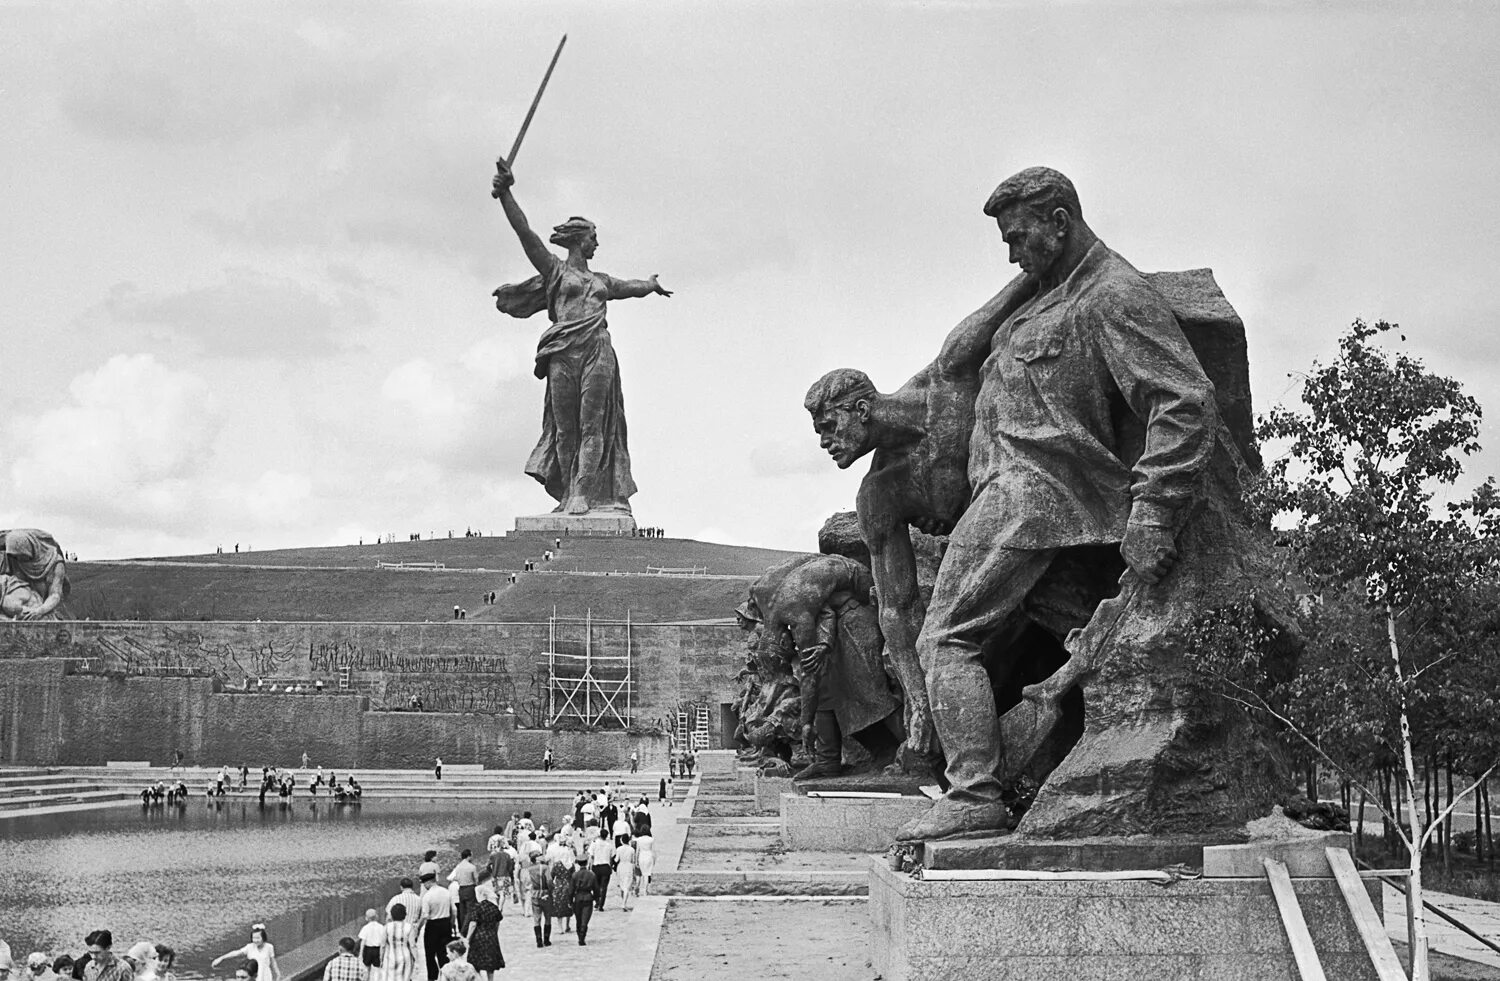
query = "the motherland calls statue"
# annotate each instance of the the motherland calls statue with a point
(33, 575)
(816, 609)
(582, 458)
(1096, 447)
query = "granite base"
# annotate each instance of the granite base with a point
(846, 824)
(592, 523)
(768, 791)
(1224, 929)
(717, 762)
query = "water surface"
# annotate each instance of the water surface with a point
(196, 877)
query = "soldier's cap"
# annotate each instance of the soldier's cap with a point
(749, 611)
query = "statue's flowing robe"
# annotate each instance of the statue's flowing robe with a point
(31, 555)
(576, 358)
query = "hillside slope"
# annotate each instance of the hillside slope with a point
(342, 584)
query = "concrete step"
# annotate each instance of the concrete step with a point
(737, 883)
(78, 797)
(66, 787)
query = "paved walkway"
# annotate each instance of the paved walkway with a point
(621, 946)
(1481, 917)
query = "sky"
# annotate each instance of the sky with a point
(247, 250)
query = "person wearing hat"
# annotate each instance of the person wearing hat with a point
(142, 956)
(34, 557)
(39, 967)
(7, 964)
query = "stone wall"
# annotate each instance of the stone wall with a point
(88, 692)
(49, 716)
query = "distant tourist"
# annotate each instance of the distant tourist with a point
(260, 950)
(661, 791)
(482, 932)
(346, 965)
(437, 768)
(546, 762)
(458, 967)
(465, 876)
(625, 871)
(635, 761)
(536, 888)
(398, 954)
(601, 854)
(102, 965)
(371, 939)
(436, 924)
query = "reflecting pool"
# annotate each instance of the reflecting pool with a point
(196, 877)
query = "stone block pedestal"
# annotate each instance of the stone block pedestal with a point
(1220, 929)
(846, 824)
(768, 791)
(593, 523)
(716, 763)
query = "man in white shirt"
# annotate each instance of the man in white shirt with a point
(621, 830)
(437, 925)
(601, 851)
(464, 878)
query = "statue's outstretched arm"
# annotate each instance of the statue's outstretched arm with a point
(968, 344)
(626, 289)
(535, 249)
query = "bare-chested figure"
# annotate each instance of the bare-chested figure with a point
(919, 477)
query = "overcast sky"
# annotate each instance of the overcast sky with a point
(248, 249)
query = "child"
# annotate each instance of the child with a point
(458, 967)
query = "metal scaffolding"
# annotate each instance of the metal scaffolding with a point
(584, 685)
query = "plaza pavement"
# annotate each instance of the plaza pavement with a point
(1480, 916)
(621, 944)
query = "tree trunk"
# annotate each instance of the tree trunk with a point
(1448, 821)
(1479, 850)
(1419, 966)
(1359, 831)
(1489, 828)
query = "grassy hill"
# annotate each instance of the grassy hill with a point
(342, 583)
(581, 554)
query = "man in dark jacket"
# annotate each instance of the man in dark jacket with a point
(585, 886)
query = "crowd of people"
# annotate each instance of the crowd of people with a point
(450, 926)
(438, 927)
(145, 961)
(274, 782)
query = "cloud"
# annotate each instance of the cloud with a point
(250, 314)
(178, 74)
(460, 412)
(790, 458)
(127, 444)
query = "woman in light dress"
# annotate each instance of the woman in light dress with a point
(399, 956)
(260, 950)
(645, 856)
(625, 871)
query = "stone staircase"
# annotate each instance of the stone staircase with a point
(458, 783)
(26, 788)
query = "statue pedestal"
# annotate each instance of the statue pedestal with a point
(1216, 928)
(593, 523)
(846, 824)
